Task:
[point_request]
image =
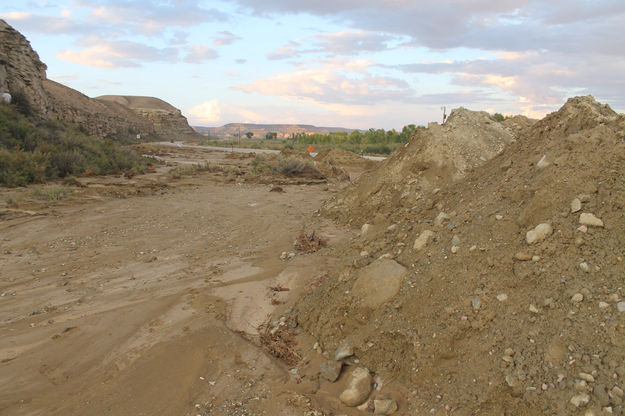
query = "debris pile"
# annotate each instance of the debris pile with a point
(488, 274)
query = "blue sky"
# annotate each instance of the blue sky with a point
(350, 63)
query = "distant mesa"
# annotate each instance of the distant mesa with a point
(23, 74)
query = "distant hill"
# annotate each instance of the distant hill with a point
(260, 130)
(23, 75)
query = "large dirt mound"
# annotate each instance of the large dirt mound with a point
(433, 158)
(483, 322)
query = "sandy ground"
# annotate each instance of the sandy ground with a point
(146, 302)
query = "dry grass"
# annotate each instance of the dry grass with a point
(279, 288)
(308, 243)
(280, 342)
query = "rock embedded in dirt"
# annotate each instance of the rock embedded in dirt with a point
(331, 370)
(522, 256)
(365, 229)
(384, 406)
(359, 387)
(441, 219)
(344, 350)
(422, 240)
(590, 220)
(543, 162)
(576, 205)
(539, 233)
(620, 306)
(378, 282)
(580, 400)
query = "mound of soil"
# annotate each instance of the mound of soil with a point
(433, 158)
(483, 322)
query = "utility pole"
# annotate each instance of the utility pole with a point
(239, 136)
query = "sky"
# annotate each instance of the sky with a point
(350, 63)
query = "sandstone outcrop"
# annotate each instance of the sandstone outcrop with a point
(23, 73)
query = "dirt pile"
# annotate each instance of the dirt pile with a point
(433, 158)
(340, 157)
(494, 313)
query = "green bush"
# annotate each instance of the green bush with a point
(35, 151)
(378, 148)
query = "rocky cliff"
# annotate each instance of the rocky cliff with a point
(23, 73)
(166, 119)
(21, 70)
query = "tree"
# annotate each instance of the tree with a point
(498, 117)
(271, 135)
(249, 134)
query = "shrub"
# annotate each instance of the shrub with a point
(31, 153)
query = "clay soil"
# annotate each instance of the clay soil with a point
(143, 296)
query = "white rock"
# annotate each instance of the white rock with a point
(499, 217)
(535, 258)
(539, 233)
(365, 229)
(359, 387)
(364, 253)
(584, 267)
(543, 162)
(581, 399)
(590, 220)
(346, 349)
(422, 240)
(441, 219)
(384, 407)
(533, 308)
(586, 377)
(576, 205)
(577, 298)
(604, 305)
(454, 249)
(582, 229)
(620, 306)
(502, 297)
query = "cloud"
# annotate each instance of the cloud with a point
(208, 112)
(140, 16)
(289, 50)
(352, 43)
(198, 54)
(29, 22)
(336, 44)
(225, 38)
(511, 25)
(240, 61)
(104, 53)
(337, 82)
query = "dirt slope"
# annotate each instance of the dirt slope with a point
(483, 322)
(433, 158)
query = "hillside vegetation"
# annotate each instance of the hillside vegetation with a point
(36, 151)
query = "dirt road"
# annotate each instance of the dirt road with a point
(143, 305)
